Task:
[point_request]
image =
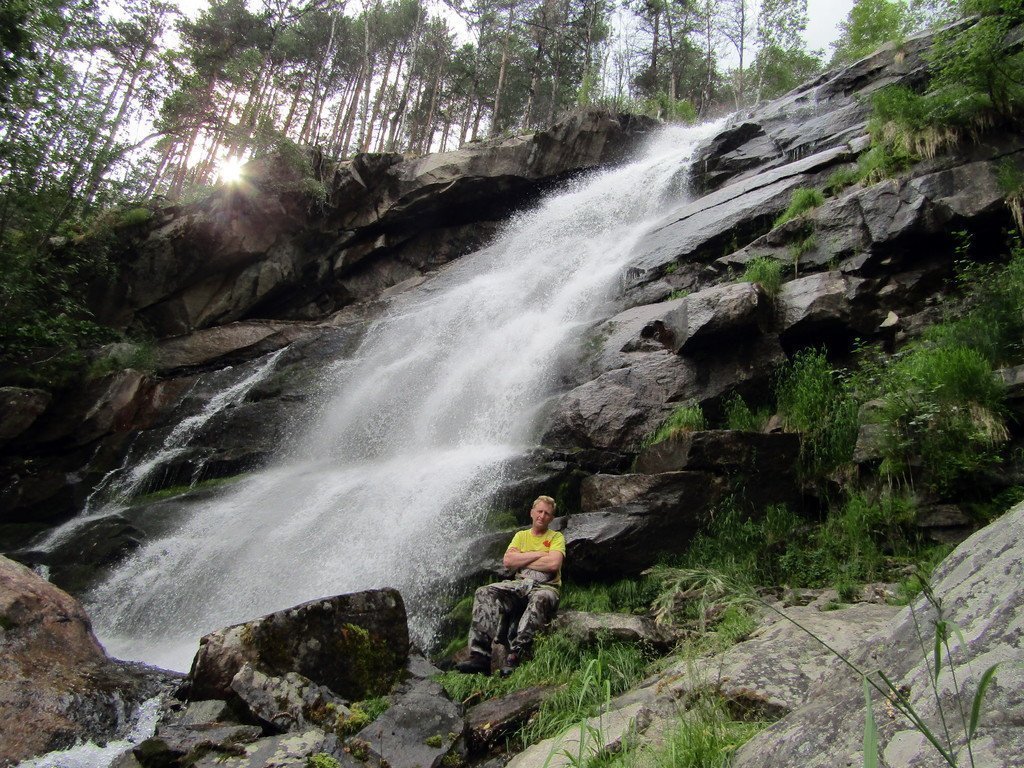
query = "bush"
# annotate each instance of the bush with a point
(685, 418)
(803, 200)
(860, 540)
(740, 417)
(814, 400)
(883, 161)
(942, 411)
(766, 272)
(140, 356)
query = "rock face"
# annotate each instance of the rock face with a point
(57, 685)
(355, 644)
(981, 590)
(385, 219)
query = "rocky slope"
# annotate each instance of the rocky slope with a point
(252, 291)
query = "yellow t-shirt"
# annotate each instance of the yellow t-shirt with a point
(525, 541)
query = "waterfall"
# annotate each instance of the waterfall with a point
(392, 480)
(133, 476)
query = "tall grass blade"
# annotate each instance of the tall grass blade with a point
(986, 680)
(938, 650)
(870, 730)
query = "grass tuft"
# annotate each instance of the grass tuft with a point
(766, 272)
(685, 418)
(803, 200)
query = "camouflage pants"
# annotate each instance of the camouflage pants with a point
(495, 606)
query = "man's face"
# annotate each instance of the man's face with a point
(542, 514)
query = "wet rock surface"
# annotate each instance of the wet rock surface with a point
(57, 685)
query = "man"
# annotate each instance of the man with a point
(536, 556)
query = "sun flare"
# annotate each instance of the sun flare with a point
(229, 171)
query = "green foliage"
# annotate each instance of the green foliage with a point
(626, 596)
(989, 316)
(1011, 182)
(740, 417)
(814, 400)
(139, 356)
(766, 272)
(941, 412)
(706, 598)
(44, 323)
(800, 248)
(974, 86)
(863, 539)
(840, 179)
(869, 25)
(883, 161)
(680, 293)
(704, 736)
(589, 676)
(804, 199)
(669, 110)
(322, 760)
(685, 418)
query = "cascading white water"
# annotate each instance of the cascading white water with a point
(388, 486)
(120, 485)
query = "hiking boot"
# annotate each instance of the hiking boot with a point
(511, 662)
(476, 664)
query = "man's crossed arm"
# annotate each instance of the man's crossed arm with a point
(548, 562)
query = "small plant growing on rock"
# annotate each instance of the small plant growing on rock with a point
(803, 200)
(767, 273)
(840, 180)
(740, 417)
(322, 760)
(814, 400)
(434, 742)
(685, 418)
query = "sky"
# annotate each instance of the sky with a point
(822, 27)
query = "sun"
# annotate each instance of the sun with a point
(229, 170)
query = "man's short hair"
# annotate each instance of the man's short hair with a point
(546, 500)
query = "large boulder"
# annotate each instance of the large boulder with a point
(713, 316)
(724, 220)
(619, 408)
(979, 589)
(354, 644)
(772, 673)
(19, 408)
(630, 519)
(419, 730)
(57, 685)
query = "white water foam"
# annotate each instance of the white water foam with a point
(91, 755)
(119, 485)
(388, 487)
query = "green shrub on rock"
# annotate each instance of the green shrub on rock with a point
(813, 399)
(685, 418)
(803, 200)
(766, 272)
